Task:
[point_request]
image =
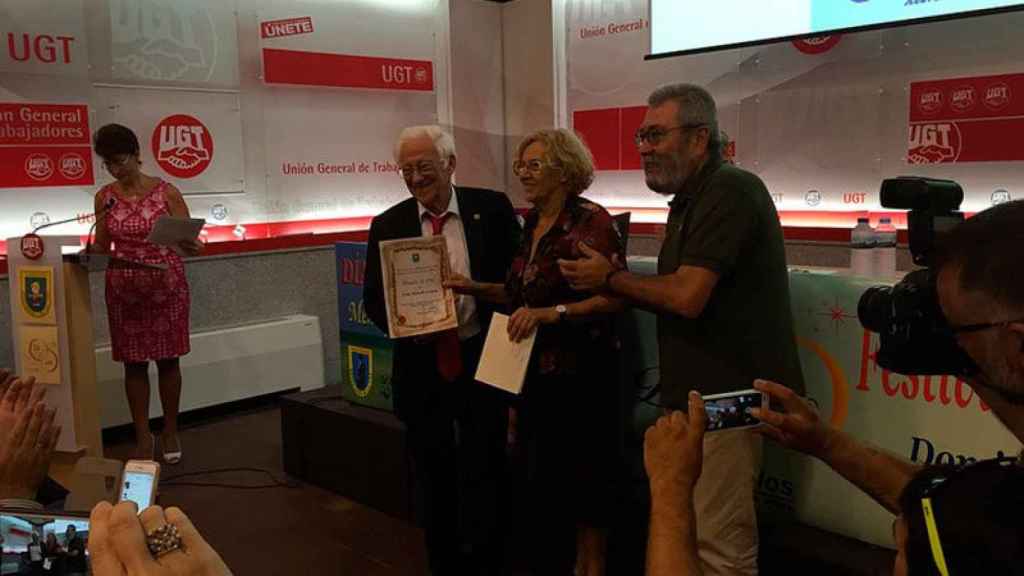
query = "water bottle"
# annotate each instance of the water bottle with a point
(862, 242)
(884, 252)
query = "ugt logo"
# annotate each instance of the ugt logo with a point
(182, 146)
(934, 143)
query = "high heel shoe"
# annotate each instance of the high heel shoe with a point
(171, 457)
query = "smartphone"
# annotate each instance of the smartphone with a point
(36, 542)
(138, 483)
(731, 411)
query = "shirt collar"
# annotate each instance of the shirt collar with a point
(453, 207)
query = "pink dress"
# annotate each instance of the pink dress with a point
(148, 309)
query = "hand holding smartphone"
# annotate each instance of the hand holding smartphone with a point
(35, 541)
(731, 411)
(138, 483)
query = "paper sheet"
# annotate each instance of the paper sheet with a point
(503, 363)
(170, 231)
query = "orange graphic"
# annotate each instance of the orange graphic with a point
(840, 387)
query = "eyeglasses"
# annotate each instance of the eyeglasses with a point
(521, 168)
(930, 491)
(424, 168)
(968, 328)
(654, 135)
(108, 163)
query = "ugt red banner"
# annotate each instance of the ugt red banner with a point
(36, 166)
(976, 119)
(26, 124)
(346, 71)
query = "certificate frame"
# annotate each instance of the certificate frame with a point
(414, 296)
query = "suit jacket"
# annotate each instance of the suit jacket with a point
(492, 238)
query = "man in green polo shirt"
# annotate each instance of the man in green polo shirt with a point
(722, 299)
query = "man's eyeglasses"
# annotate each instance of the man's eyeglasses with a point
(935, 486)
(423, 169)
(654, 135)
(521, 168)
(968, 328)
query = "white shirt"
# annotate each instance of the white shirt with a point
(458, 257)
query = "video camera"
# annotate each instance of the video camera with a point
(915, 336)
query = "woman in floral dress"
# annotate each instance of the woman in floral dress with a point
(147, 306)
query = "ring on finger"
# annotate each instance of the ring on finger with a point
(163, 540)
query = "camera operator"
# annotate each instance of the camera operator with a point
(941, 530)
(980, 291)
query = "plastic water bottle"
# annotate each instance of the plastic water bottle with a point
(884, 252)
(862, 242)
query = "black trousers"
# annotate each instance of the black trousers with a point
(456, 439)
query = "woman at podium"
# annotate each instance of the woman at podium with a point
(147, 294)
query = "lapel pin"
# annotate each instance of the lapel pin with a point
(476, 216)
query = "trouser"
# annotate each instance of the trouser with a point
(724, 503)
(456, 443)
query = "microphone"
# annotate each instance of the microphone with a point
(111, 202)
(103, 211)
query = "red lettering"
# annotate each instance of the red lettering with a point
(14, 51)
(911, 393)
(44, 49)
(66, 42)
(984, 407)
(960, 400)
(889, 390)
(865, 356)
(944, 392)
(353, 271)
(928, 396)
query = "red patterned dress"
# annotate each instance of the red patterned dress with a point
(148, 308)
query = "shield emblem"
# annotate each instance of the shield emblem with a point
(36, 287)
(360, 370)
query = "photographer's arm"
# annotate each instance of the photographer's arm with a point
(878, 473)
(673, 458)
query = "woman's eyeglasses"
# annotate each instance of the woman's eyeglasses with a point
(521, 168)
(118, 162)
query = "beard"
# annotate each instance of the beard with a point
(998, 376)
(665, 175)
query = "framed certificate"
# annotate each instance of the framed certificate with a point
(414, 270)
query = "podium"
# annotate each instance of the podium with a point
(52, 335)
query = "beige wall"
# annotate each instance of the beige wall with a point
(529, 76)
(477, 82)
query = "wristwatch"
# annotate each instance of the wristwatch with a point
(563, 312)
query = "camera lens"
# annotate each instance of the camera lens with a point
(875, 308)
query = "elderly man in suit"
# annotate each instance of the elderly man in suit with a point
(456, 426)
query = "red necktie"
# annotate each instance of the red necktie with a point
(449, 358)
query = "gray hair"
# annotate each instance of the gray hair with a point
(696, 106)
(443, 141)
